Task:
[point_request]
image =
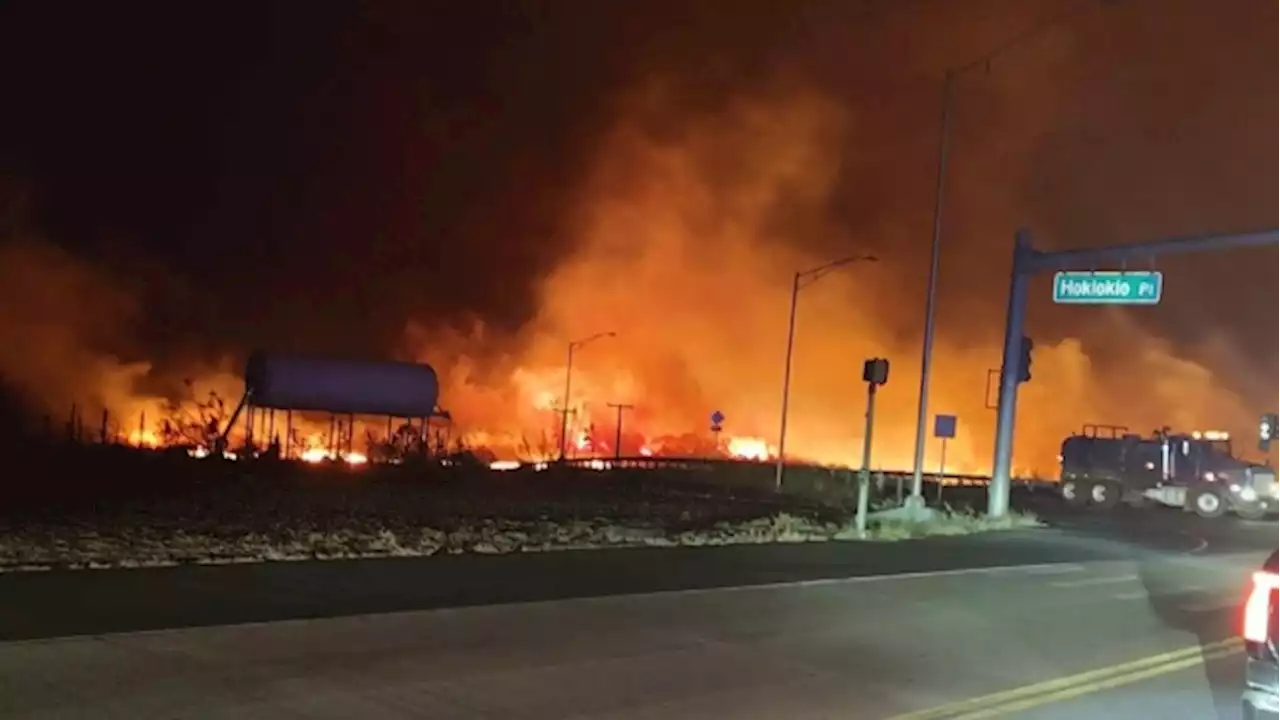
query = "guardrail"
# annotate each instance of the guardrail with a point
(730, 465)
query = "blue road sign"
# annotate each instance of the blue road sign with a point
(944, 426)
(717, 418)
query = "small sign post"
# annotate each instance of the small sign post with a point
(717, 425)
(944, 428)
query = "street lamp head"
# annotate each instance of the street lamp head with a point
(806, 277)
(591, 338)
(854, 259)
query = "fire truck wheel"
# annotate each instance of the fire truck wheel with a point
(1104, 495)
(1207, 503)
(1073, 494)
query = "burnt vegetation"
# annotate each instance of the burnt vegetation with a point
(73, 474)
(195, 424)
(114, 486)
(91, 480)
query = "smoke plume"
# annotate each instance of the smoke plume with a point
(717, 161)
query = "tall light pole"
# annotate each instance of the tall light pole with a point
(944, 152)
(568, 383)
(800, 280)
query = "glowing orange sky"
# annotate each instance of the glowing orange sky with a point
(681, 254)
(694, 211)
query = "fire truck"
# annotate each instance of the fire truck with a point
(1105, 465)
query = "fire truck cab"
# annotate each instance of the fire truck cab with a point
(1105, 465)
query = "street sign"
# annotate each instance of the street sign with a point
(1108, 288)
(716, 428)
(944, 426)
(717, 418)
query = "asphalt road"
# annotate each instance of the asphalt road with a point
(962, 644)
(1052, 628)
(51, 604)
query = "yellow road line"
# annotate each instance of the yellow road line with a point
(1113, 682)
(1095, 679)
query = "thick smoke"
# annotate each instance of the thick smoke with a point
(710, 187)
(55, 313)
(689, 226)
(67, 325)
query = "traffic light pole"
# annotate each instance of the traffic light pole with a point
(1015, 319)
(1027, 261)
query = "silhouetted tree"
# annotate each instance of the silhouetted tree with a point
(199, 423)
(544, 450)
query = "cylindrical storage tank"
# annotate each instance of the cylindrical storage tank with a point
(340, 386)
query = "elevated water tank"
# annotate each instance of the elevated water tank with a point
(398, 389)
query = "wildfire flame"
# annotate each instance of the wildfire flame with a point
(685, 230)
(320, 455)
(750, 448)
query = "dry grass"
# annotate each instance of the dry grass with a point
(75, 513)
(143, 547)
(954, 522)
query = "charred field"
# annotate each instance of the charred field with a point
(103, 506)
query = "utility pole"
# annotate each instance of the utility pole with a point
(1027, 261)
(944, 155)
(617, 437)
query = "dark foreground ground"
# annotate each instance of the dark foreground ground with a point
(1100, 616)
(167, 497)
(1090, 621)
(108, 506)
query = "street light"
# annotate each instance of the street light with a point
(568, 379)
(800, 280)
(944, 151)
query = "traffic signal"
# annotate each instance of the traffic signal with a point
(1024, 360)
(1267, 430)
(875, 371)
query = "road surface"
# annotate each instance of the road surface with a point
(1087, 622)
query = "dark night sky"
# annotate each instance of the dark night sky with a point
(329, 159)
(300, 154)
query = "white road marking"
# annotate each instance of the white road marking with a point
(824, 582)
(1135, 595)
(1087, 582)
(1056, 569)
(864, 579)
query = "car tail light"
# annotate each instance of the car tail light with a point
(1258, 607)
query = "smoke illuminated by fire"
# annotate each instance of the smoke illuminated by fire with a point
(683, 253)
(685, 230)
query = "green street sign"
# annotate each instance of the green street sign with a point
(1108, 288)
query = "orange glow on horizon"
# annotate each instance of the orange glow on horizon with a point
(685, 229)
